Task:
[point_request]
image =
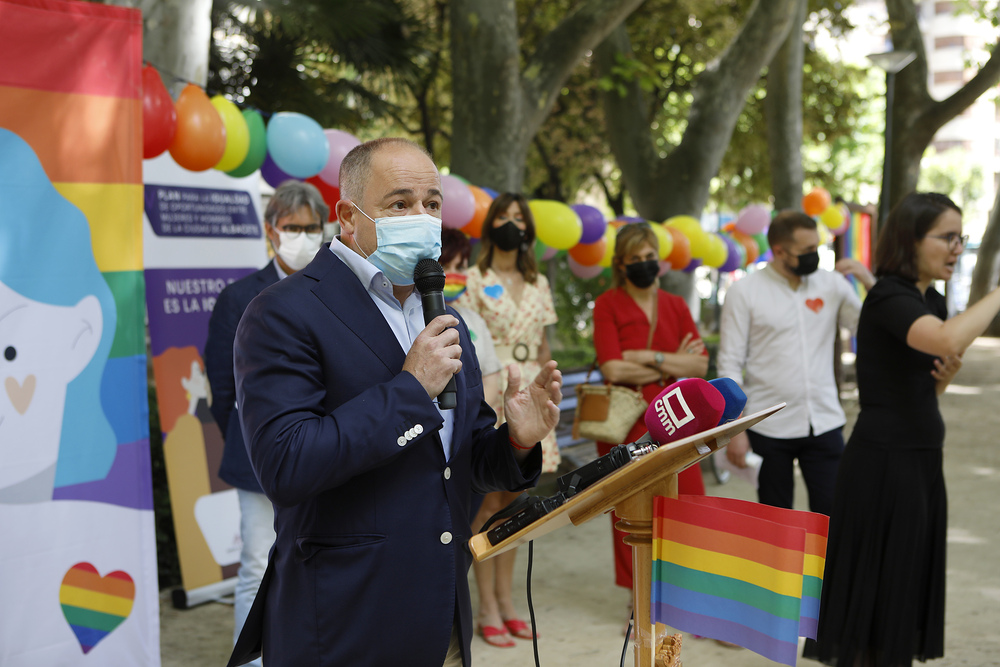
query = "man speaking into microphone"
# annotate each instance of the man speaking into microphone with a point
(338, 382)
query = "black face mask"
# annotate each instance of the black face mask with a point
(507, 236)
(808, 263)
(642, 274)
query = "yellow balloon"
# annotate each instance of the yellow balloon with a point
(237, 134)
(665, 240)
(556, 224)
(832, 217)
(717, 252)
(610, 234)
(824, 234)
(691, 228)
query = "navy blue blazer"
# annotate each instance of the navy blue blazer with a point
(233, 300)
(370, 563)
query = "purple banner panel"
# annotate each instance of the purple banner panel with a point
(181, 211)
(180, 301)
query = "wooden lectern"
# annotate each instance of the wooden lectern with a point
(629, 491)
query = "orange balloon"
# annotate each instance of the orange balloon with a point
(729, 227)
(816, 201)
(588, 254)
(618, 223)
(748, 243)
(200, 139)
(680, 256)
(474, 227)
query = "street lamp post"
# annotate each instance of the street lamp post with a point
(892, 62)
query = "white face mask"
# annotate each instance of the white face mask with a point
(296, 249)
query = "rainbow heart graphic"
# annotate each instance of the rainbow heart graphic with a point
(94, 605)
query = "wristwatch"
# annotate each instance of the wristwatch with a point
(658, 358)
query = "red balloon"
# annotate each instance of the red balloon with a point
(331, 194)
(588, 254)
(159, 117)
(200, 140)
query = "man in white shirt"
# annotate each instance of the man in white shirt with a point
(777, 336)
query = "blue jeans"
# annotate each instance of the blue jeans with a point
(819, 457)
(257, 532)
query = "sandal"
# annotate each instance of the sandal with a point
(496, 636)
(519, 629)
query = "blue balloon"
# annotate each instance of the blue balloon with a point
(297, 144)
(490, 191)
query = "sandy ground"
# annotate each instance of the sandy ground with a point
(581, 614)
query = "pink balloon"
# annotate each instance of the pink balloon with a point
(584, 272)
(665, 267)
(753, 219)
(341, 144)
(548, 253)
(459, 203)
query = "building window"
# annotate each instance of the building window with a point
(954, 76)
(948, 42)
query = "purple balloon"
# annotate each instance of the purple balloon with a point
(593, 222)
(732, 254)
(692, 265)
(272, 173)
(631, 218)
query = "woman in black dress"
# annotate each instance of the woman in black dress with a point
(883, 590)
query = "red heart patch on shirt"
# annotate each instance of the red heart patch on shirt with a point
(814, 305)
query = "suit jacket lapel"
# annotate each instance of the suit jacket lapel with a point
(340, 290)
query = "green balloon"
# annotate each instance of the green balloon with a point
(258, 145)
(761, 239)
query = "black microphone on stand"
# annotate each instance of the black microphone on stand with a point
(428, 276)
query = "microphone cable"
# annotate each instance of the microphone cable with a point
(628, 635)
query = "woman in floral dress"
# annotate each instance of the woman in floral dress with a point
(507, 290)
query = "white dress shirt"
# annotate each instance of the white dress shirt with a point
(777, 343)
(406, 322)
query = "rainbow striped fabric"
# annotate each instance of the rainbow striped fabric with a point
(94, 605)
(738, 571)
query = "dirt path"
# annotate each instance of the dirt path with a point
(581, 614)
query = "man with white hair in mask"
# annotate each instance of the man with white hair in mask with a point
(293, 222)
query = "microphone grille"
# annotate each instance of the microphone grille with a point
(428, 276)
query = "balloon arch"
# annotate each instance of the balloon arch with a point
(212, 133)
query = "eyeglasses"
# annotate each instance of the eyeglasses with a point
(954, 240)
(297, 229)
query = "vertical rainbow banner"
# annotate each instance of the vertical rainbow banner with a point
(738, 571)
(858, 244)
(78, 575)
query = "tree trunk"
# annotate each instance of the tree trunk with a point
(916, 116)
(984, 275)
(679, 183)
(176, 36)
(498, 108)
(783, 113)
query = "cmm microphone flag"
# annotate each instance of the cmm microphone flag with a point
(684, 408)
(738, 571)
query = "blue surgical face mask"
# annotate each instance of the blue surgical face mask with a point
(403, 240)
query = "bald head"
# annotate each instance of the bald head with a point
(356, 168)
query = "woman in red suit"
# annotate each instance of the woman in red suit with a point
(627, 356)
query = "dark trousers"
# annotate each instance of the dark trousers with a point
(818, 455)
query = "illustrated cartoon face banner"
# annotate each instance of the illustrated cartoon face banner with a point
(78, 577)
(202, 232)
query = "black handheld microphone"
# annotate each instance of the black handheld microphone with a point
(428, 276)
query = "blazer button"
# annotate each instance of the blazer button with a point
(418, 429)
(400, 441)
(446, 538)
(447, 473)
(409, 434)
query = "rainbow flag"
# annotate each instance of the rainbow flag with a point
(738, 571)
